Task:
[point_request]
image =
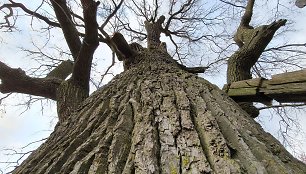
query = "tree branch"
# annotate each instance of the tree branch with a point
(247, 16)
(122, 46)
(82, 66)
(286, 46)
(252, 43)
(15, 80)
(62, 71)
(71, 34)
(141, 36)
(240, 63)
(200, 69)
(185, 7)
(232, 4)
(282, 106)
(28, 11)
(117, 7)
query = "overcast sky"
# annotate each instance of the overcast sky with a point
(19, 126)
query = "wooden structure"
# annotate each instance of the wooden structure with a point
(285, 87)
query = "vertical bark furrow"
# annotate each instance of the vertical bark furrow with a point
(248, 130)
(85, 125)
(107, 128)
(81, 157)
(192, 155)
(264, 146)
(231, 133)
(145, 135)
(146, 146)
(135, 101)
(85, 152)
(121, 144)
(67, 157)
(54, 152)
(84, 165)
(216, 149)
(100, 164)
(167, 118)
(79, 145)
(110, 106)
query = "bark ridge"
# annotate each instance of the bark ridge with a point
(157, 118)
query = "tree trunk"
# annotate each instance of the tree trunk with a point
(157, 118)
(240, 63)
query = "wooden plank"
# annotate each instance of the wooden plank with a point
(289, 77)
(292, 88)
(290, 92)
(242, 92)
(285, 87)
(251, 83)
(290, 74)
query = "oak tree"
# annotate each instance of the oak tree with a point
(157, 116)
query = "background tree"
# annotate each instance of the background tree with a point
(154, 117)
(300, 3)
(252, 42)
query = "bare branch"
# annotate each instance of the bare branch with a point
(240, 63)
(62, 71)
(122, 46)
(34, 142)
(285, 46)
(185, 7)
(117, 7)
(26, 10)
(194, 70)
(126, 26)
(71, 34)
(155, 14)
(82, 65)
(15, 80)
(176, 48)
(232, 4)
(282, 105)
(247, 16)
(6, 96)
(142, 10)
(106, 71)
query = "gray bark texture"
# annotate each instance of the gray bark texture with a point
(157, 118)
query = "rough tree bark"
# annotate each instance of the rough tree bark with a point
(156, 117)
